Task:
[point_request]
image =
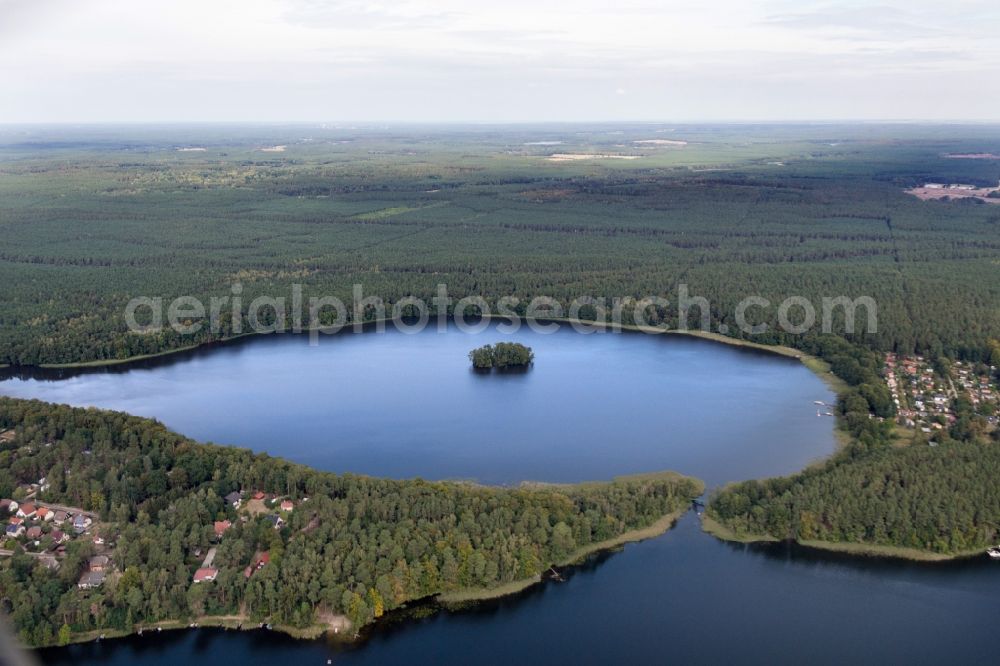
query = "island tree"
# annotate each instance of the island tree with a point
(501, 355)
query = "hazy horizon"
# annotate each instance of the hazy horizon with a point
(347, 123)
(453, 62)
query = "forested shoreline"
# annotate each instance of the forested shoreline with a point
(353, 546)
(877, 492)
(941, 500)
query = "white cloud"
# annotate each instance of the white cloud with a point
(518, 60)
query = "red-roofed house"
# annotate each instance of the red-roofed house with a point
(206, 574)
(259, 495)
(258, 563)
(34, 532)
(44, 513)
(220, 527)
(26, 510)
(287, 505)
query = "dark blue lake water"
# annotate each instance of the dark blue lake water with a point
(590, 408)
(390, 404)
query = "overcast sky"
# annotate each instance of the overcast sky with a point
(499, 61)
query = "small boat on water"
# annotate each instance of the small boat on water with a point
(819, 402)
(994, 553)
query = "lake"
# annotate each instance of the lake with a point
(392, 404)
(591, 407)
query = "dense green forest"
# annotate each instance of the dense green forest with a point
(92, 218)
(358, 546)
(943, 499)
(501, 355)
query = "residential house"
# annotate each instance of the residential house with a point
(14, 531)
(99, 563)
(205, 574)
(34, 532)
(287, 505)
(44, 513)
(235, 499)
(259, 495)
(275, 520)
(58, 536)
(81, 523)
(26, 511)
(258, 563)
(60, 517)
(91, 579)
(220, 527)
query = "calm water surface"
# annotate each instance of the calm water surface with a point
(591, 407)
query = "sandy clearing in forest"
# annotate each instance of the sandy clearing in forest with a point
(572, 157)
(255, 507)
(980, 193)
(662, 142)
(336, 623)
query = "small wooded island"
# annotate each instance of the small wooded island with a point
(501, 355)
